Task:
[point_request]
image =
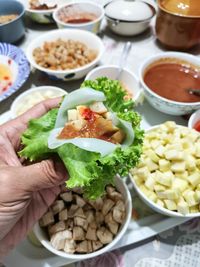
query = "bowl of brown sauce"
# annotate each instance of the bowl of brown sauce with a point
(167, 78)
(82, 15)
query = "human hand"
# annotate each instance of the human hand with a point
(25, 191)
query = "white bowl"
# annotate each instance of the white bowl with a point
(42, 236)
(42, 16)
(194, 118)
(127, 78)
(126, 18)
(152, 204)
(24, 101)
(83, 6)
(163, 104)
(88, 38)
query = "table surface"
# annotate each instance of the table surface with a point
(176, 247)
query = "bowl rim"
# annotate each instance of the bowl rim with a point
(99, 18)
(107, 247)
(29, 91)
(149, 202)
(131, 21)
(192, 118)
(29, 51)
(161, 55)
(19, 16)
(137, 95)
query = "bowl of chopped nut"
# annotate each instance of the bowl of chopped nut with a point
(66, 54)
(77, 228)
(167, 178)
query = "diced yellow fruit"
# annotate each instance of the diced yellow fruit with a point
(164, 178)
(160, 150)
(152, 197)
(164, 165)
(143, 172)
(160, 203)
(145, 190)
(190, 162)
(189, 198)
(171, 125)
(152, 155)
(182, 175)
(149, 183)
(155, 143)
(197, 151)
(152, 166)
(198, 187)
(72, 115)
(178, 166)
(183, 207)
(159, 188)
(194, 209)
(174, 155)
(163, 128)
(179, 184)
(198, 162)
(168, 194)
(138, 180)
(197, 196)
(194, 178)
(170, 204)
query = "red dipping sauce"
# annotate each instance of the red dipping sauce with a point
(170, 78)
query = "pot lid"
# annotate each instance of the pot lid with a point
(129, 10)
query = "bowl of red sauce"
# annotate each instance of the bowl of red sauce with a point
(194, 121)
(166, 78)
(82, 15)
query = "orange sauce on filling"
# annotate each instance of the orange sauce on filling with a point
(171, 81)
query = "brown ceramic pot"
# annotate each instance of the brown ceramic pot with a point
(177, 31)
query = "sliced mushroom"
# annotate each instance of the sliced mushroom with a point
(77, 190)
(104, 235)
(78, 221)
(58, 239)
(63, 215)
(113, 227)
(119, 211)
(59, 226)
(93, 225)
(80, 201)
(91, 234)
(96, 245)
(99, 218)
(69, 224)
(109, 189)
(82, 247)
(79, 212)
(78, 233)
(72, 210)
(57, 206)
(107, 206)
(70, 246)
(87, 207)
(89, 216)
(89, 246)
(113, 194)
(47, 219)
(109, 218)
(67, 196)
(96, 204)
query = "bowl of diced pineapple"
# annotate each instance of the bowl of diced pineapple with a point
(168, 176)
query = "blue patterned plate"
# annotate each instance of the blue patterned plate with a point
(13, 60)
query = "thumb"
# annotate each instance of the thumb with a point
(44, 174)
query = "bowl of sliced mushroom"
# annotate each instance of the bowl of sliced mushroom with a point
(77, 228)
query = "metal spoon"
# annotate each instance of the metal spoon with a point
(123, 58)
(194, 91)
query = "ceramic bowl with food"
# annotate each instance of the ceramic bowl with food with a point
(66, 54)
(129, 18)
(88, 233)
(32, 97)
(11, 21)
(167, 178)
(82, 15)
(166, 78)
(128, 79)
(14, 69)
(194, 121)
(183, 30)
(41, 11)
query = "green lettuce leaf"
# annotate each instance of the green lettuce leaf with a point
(88, 169)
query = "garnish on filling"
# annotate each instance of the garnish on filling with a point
(92, 121)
